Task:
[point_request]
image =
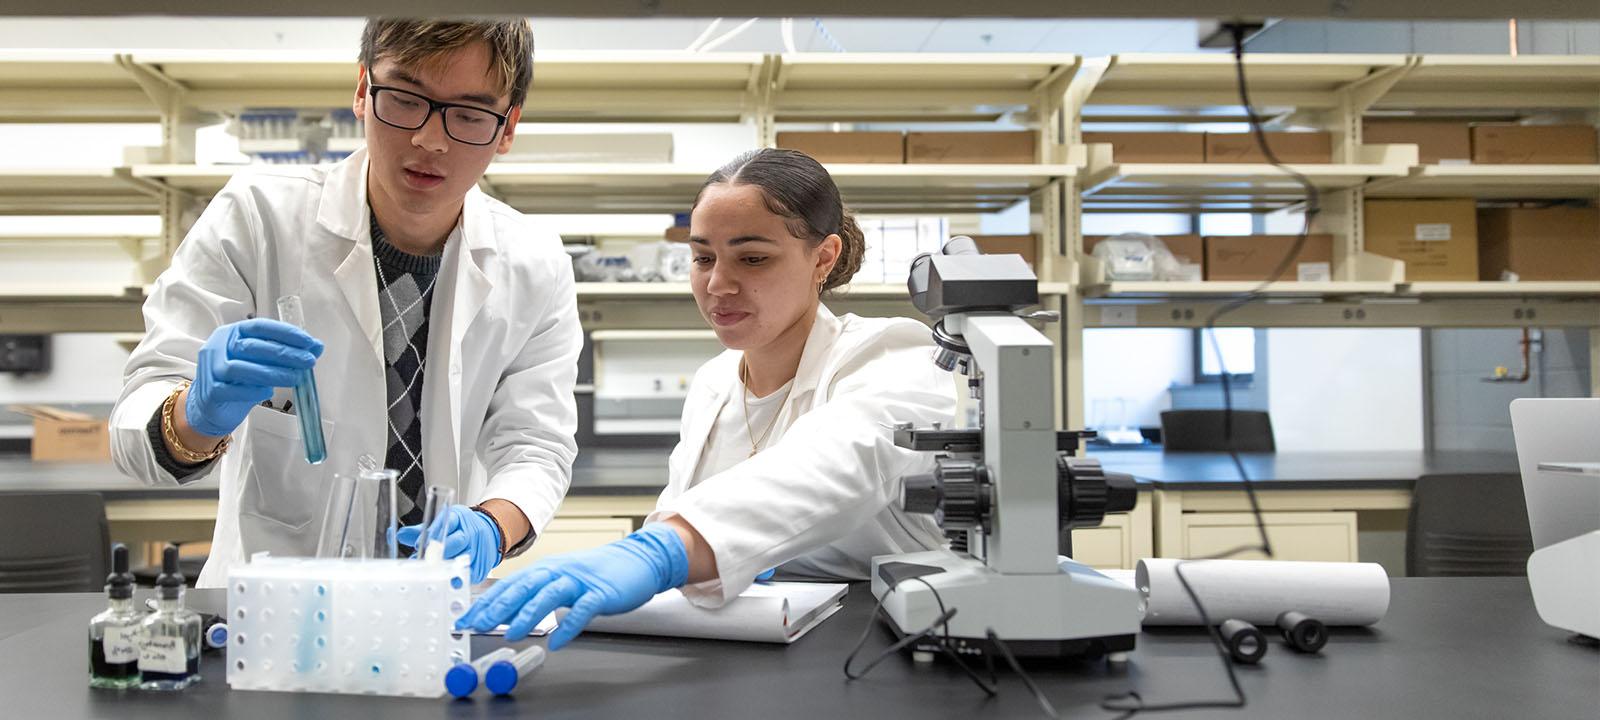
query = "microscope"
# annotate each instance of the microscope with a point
(1008, 492)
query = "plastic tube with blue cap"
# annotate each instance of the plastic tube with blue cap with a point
(502, 676)
(462, 679)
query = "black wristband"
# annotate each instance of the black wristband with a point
(499, 532)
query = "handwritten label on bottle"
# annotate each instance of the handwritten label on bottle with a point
(163, 655)
(121, 644)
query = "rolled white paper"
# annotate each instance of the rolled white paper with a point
(1257, 591)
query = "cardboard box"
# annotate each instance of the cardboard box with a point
(1437, 142)
(1290, 147)
(1534, 145)
(1025, 245)
(677, 233)
(972, 147)
(1437, 239)
(847, 147)
(64, 435)
(1152, 147)
(1560, 243)
(589, 148)
(1254, 257)
(1186, 248)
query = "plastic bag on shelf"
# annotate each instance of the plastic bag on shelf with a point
(1138, 256)
(661, 261)
(595, 267)
(1133, 256)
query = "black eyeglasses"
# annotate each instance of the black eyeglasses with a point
(408, 111)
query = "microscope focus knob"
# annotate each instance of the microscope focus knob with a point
(965, 486)
(923, 495)
(1086, 492)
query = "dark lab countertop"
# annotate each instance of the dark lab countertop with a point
(1382, 470)
(1449, 647)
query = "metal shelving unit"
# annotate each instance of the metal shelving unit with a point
(1056, 94)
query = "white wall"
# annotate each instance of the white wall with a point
(1126, 374)
(84, 368)
(1346, 390)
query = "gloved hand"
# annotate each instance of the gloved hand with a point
(467, 532)
(606, 580)
(239, 365)
(763, 577)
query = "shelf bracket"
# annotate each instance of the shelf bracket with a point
(765, 82)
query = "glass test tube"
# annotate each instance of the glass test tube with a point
(502, 676)
(360, 520)
(435, 522)
(306, 405)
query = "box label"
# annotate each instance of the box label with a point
(1433, 232)
(1315, 272)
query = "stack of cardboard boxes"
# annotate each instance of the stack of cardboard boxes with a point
(982, 148)
(1197, 147)
(1455, 240)
(1459, 143)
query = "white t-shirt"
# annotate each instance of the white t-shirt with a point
(729, 441)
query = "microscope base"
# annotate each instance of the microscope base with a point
(1074, 613)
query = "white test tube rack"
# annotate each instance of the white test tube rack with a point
(375, 627)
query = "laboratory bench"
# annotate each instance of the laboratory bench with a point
(1448, 647)
(1332, 506)
(1339, 506)
(611, 492)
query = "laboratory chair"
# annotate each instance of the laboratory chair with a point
(53, 542)
(1204, 431)
(1467, 525)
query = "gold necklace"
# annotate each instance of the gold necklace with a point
(744, 399)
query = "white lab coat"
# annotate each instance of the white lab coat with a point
(827, 489)
(498, 411)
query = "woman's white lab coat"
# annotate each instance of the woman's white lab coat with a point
(498, 411)
(828, 491)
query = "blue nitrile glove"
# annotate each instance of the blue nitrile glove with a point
(763, 577)
(238, 367)
(606, 580)
(467, 532)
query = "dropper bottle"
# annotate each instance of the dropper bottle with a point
(169, 647)
(114, 633)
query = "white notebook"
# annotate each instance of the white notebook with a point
(776, 612)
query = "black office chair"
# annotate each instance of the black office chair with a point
(53, 542)
(1204, 430)
(1468, 525)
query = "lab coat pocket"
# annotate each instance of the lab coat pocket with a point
(282, 494)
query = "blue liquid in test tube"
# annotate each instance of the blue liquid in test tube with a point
(306, 405)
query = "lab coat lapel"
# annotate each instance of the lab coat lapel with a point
(698, 432)
(343, 212)
(813, 360)
(808, 374)
(462, 289)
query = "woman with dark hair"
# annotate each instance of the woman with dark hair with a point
(786, 454)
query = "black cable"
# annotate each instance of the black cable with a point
(1038, 694)
(943, 619)
(1312, 207)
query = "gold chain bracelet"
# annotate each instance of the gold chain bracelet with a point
(170, 434)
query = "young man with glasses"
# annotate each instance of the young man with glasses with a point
(441, 325)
